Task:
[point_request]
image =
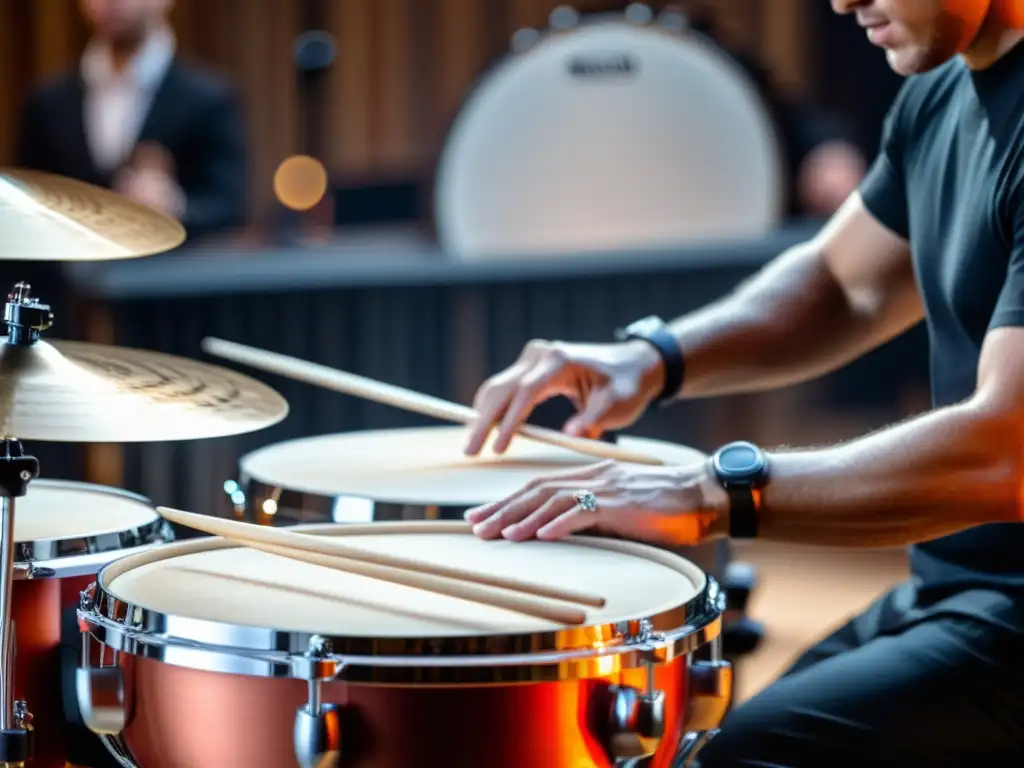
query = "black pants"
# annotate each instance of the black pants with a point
(919, 679)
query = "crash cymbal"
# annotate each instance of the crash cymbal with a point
(52, 218)
(65, 391)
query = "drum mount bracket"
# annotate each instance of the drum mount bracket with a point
(26, 318)
(317, 732)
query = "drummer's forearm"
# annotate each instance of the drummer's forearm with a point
(934, 475)
(790, 323)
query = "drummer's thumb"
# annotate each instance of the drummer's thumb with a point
(588, 422)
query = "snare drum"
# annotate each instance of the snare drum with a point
(65, 532)
(398, 474)
(231, 656)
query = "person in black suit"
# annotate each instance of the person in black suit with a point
(133, 117)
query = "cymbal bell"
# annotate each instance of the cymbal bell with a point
(65, 391)
(44, 217)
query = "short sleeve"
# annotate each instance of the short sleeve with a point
(884, 188)
(1009, 309)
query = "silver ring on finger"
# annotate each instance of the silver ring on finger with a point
(585, 501)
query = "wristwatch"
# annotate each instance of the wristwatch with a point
(742, 469)
(654, 331)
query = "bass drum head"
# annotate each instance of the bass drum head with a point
(610, 136)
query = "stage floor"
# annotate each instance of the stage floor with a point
(802, 594)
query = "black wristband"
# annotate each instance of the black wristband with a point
(742, 469)
(653, 331)
(742, 512)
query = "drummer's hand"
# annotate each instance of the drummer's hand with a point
(610, 385)
(675, 505)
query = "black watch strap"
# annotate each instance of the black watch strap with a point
(742, 469)
(742, 512)
(654, 332)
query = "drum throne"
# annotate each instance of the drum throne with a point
(613, 133)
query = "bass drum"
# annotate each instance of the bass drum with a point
(612, 135)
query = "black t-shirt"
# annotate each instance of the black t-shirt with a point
(950, 179)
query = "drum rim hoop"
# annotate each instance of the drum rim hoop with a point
(57, 557)
(139, 631)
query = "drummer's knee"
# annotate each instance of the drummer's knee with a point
(759, 733)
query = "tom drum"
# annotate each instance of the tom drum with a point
(65, 532)
(397, 474)
(219, 655)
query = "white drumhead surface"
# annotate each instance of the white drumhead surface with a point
(250, 588)
(422, 466)
(609, 136)
(53, 510)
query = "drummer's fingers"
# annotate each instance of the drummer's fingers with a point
(490, 404)
(589, 421)
(573, 520)
(533, 388)
(527, 528)
(509, 511)
(545, 484)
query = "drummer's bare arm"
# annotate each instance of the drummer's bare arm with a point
(940, 473)
(813, 309)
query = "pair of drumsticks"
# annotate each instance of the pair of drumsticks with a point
(537, 600)
(512, 594)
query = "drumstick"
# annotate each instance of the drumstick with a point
(440, 584)
(406, 399)
(322, 545)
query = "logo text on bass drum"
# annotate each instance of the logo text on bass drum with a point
(612, 65)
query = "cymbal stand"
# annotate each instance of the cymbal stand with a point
(26, 318)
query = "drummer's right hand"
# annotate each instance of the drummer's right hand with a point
(610, 385)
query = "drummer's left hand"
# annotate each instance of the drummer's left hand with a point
(675, 505)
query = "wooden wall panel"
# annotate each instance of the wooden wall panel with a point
(403, 66)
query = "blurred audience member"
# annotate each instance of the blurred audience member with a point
(824, 164)
(134, 117)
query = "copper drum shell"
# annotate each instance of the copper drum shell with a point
(60, 568)
(36, 612)
(187, 718)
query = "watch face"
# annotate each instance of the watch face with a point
(741, 461)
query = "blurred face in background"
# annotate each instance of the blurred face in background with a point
(918, 35)
(121, 22)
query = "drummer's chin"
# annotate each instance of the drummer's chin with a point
(909, 60)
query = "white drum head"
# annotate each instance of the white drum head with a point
(54, 510)
(610, 136)
(424, 466)
(248, 588)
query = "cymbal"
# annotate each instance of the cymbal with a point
(45, 217)
(64, 391)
